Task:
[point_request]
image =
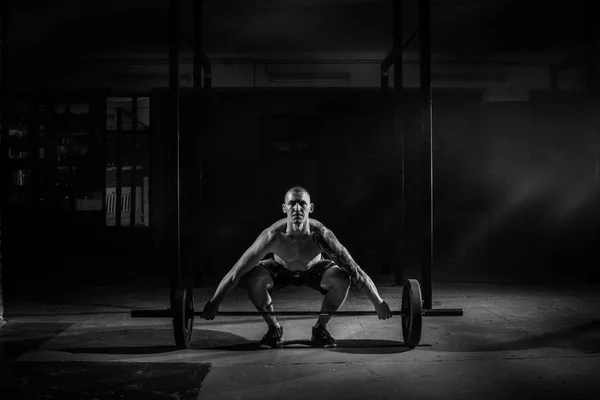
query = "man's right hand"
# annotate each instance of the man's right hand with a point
(210, 310)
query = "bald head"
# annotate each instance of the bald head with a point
(296, 190)
(297, 207)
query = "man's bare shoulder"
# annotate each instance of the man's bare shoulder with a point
(279, 226)
(269, 237)
(276, 229)
(316, 226)
(321, 234)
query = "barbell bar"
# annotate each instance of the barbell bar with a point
(411, 311)
(447, 312)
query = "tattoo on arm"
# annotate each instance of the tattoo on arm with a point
(329, 244)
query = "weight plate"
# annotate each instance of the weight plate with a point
(183, 317)
(412, 306)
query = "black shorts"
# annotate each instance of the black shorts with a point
(283, 277)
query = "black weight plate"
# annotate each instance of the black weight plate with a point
(412, 306)
(183, 317)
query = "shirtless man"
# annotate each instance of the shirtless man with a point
(297, 250)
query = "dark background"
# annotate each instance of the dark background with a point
(516, 183)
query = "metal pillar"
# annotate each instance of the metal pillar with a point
(592, 87)
(173, 132)
(200, 62)
(198, 57)
(425, 239)
(385, 84)
(591, 46)
(398, 48)
(4, 170)
(398, 119)
(207, 76)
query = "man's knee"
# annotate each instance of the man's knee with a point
(335, 277)
(259, 279)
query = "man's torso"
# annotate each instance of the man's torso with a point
(297, 253)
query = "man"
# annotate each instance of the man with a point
(297, 250)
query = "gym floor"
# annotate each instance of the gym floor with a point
(514, 341)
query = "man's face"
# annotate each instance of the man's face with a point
(297, 207)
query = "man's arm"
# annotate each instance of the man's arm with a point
(329, 243)
(261, 246)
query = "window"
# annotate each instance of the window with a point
(56, 157)
(127, 196)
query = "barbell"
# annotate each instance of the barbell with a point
(411, 312)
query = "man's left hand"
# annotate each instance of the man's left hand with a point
(383, 310)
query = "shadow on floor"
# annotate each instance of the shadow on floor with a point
(124, 350)
(34, 303)
(157, 341)
(67, 314)
(356, 346)
(584, 338)
(161, 341)
(18, 338)
(82, 380)
(249, 320)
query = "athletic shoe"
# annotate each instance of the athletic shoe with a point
(322, 338)
(273, 338)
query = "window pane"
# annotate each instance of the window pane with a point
(125, 104)
(143, 113)
(128, 195)
(111, 179)
(89, 179)
(142, 181)
(128, 149)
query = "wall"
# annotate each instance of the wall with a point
(514, 182)
(542, 165)
(491, 218)
(245, 188)
(139, 72)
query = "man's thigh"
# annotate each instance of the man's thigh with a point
(258, 276)
(267, 273)
(324, 275)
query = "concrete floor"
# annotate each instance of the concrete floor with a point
(513, 341)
